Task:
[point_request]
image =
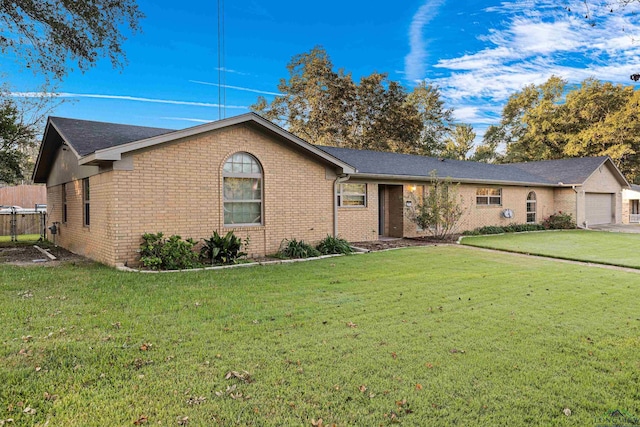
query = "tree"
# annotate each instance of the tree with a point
(459, 142)
(487, 152)
(440, 210)
(594, 119)
(436, 119)
(327, 107)
(16, 140)
(45, 34)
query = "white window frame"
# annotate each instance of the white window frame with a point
(534, 203)
(489, 196)
(343, 194)
(243, 175)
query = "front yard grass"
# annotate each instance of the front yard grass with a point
(420, 336)
(619, 249)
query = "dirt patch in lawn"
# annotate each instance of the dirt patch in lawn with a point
(381, 245)
(24, 254)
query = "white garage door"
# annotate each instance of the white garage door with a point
(599, 208)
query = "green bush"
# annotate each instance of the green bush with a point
(511, 228)
(517, 228)
(158, 253)
(222, 250)
(334, 245)
(559, 221)
(297, 249)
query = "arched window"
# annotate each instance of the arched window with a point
(242, 177)
(531, 207)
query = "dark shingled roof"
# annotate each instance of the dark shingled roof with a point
(384, 163)
(567, 171)
(86, 136)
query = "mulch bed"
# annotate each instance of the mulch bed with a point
(23, 253)
(380, 245)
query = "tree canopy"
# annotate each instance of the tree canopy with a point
(46, 34)
(553, 121)
(328, 107)
(16, 140)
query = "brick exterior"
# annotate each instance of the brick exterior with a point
(360, 224)
(176, 188)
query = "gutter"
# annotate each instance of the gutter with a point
(339, 180)
(383, 177)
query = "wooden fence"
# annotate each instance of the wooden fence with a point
(26, 196)
(26, 223)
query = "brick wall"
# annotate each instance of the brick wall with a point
(357, 224)
(96, 240)
(177, 189)
(514, 198)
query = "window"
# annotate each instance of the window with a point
(489, 196)
(64, 203)
(85, 201)
(242, 177)
(352, 195)
(531, 208)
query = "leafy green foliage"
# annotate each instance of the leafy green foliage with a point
(440, 210)
(548, 121)
(327, 107)
(222, 250)
(297, 249)
(334, 245)
(459, 142)
(511, 228)
(45, 34)
(559, 221)
(16, 139)
(159, 253)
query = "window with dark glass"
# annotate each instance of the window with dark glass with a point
(85, 202)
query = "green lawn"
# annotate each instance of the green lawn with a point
(21, 238)
(423, 336)
(581, 245)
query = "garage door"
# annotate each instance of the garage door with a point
(599, 208)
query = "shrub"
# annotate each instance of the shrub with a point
(334, 245)
(297, 249)
(158, 253)
(511, 228)
(222, 250)
(516, 228)
(559, 221)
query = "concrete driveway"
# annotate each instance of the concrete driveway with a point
(618, 228)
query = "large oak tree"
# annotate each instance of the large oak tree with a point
(327, 107)
(553, 121)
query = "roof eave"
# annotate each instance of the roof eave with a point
(460, 180)
(112, 154)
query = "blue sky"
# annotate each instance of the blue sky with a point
(477, 52)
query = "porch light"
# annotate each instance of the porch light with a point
(412, 188)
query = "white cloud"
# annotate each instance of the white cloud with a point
(246, 89)
(528, 49)
(414, 62)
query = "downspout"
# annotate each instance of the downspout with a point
(339, 180)
(584, 226)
